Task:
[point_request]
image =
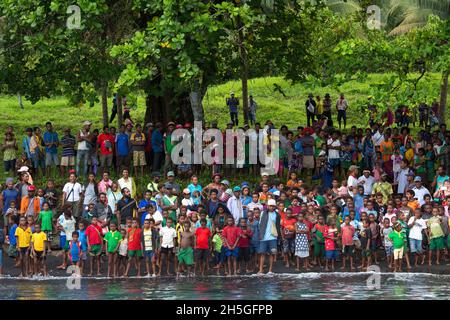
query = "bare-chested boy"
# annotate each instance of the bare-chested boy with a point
(186, 253)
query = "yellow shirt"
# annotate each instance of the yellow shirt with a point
(38, 240)
(23, 237)
(409, 154)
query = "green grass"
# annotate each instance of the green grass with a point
(289, 110)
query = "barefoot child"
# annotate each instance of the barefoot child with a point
(365, 237)
(66, 225)
(416, 224)
(12, 250)
(45, 220)
(388, 248)
(94, 242)
(123, 252)
(330, 235)
(218, 250)
(202, 237)
(149, 239)
(75, 250)
(244, 246)
(288, 237)
(83, 243)
(112, 239)
(168, 240)
(436, 235)
(38, 248)
(231, 234)
(301, 242)
(23, 239)
(398, 243)
(186, 253)
(348, 248)
(134, 247)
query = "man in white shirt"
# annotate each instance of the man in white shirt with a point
(402, 178)
(367, 181)
(419, 190)
(333, 146)
(234, 204)
(255, 203)
(378, 137)
(71, 195)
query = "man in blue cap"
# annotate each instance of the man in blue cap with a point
(234, 204)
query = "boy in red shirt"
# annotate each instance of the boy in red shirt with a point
(106, 142)
(94, 242)
(288, 236)
(231, 234)
(134, 235)
(202, 236)
(244, 245)
(347, 233)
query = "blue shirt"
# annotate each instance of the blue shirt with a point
(12, 235)
(268, 233)
(75, 251)
(123, 144)
(255, 229)
(359, 202)
(8, 196)
(82, 239)
(245, 201)
(50, 137)
(26, 146)
(193, 188)
(142, 204)
(157, 141)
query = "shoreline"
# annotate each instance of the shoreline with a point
(54, 259)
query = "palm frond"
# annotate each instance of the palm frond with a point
(343, 7)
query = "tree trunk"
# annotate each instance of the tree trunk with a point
(105, 105)
(195, 99)
(444, 93)
(168, 108)
(244, 69)
(119, 111)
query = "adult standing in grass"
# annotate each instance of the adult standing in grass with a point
(123, 148)
(157, 147)
(106, 142)
(37, 154)
(68, 143)
(327, 104)
(252, 108)
(138, 146)
(168, 147)
(84, 138)
(341, 106)
(233, 104)
(311, 108)
(26, 143)
(51, 142)
(9, 148)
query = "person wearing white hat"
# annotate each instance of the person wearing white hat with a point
(269, 232)
(84, 139)
(419, 190)
(367, 181)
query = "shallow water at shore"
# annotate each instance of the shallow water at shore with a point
(274, 287)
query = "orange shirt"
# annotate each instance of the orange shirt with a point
(387, 150)
(26, 201)
(413, 204)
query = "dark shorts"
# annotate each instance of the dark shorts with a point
(331, 254)
(63, 243)
(134, 253)
(220, 256)
(201, 254)
(334, 162)
(39, 254)
(349, 251)
(96, 250)
(24, 251)
(234, 252)
(244, 254)
(289, 245)
(166, 250)
(149, 254)
(254, 247)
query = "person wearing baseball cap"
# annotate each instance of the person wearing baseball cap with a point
(30, 205)
(171, 179)
(367, 181)
(234, 204)
(84, 138)
(269, 231)
(419, 190)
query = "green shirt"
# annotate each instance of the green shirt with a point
(434, 223)
(217, 242)
(46, 220)
(112, 238)
(398, 239)
(321, 200)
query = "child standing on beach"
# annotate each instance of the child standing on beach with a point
(416, 225)
(231, 234)
(186, 253)
(202, 237)
(348, 248)
(149, 239)
(301, 242)
(330, 235)
(83, 243)
(123, 252)
(219, 250)
(244, 245)
(75, 251)
(45, 219)
(397, 238)
(23, 239)
(38, 247)
(134, 236)
(12, 250)
(94, 242)
(168, 239)
(436, 235)
(388, 248)
(112, 239)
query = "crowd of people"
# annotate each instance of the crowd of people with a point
(357, 198)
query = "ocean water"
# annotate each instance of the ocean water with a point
(272, 287)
